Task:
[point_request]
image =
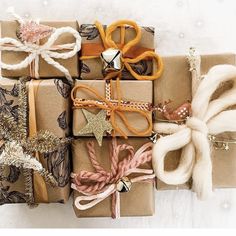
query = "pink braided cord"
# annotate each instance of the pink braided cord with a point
(90, 183)
(94, 182)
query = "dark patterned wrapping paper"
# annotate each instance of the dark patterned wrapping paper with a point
(52, 114)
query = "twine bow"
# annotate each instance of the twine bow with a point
(48, 51)
(127, 49)
(208, 118)
(114, 107)
(97, 186)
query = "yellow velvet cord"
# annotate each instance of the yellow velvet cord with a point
(114, 110)
(40, 188)
(106, 37)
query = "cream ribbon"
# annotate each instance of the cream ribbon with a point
(208, 118)
(94, 199)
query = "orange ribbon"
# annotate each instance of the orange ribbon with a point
(40, 188)
(114, 107)
(130, 53)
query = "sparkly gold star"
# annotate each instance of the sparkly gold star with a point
(97, 124)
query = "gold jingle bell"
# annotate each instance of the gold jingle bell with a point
(111, 59)
(123, 185)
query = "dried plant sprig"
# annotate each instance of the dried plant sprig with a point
(44, 142)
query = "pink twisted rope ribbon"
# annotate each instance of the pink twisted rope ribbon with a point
(98, 185)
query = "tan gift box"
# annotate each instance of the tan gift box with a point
(52, 114)
(92, 68)
(140, 91)
(175, 84)
(139, 201)
(9, 29)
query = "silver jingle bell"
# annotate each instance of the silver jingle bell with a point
(111, 59)
(123, 185)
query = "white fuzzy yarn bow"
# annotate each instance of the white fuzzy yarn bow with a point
(46, 51)
(209, 117)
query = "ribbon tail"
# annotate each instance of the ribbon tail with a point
(93, 199)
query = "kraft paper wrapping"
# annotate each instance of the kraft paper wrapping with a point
(53, 114)
(8, 29)
(139, 201)
(131, 91)
(92, 68)
(175, 84)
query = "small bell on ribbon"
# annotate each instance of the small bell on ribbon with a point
(123, 185)
(111, 59)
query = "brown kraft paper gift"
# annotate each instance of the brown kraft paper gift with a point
(9, 29)
(92, 68)
(175, 84)
(139, 201)
(140, 91)
(52, 114)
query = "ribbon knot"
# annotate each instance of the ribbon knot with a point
(197, 125)
(97, 186)
(209, 117)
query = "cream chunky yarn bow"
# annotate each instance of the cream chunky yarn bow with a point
(47, 51)
(209, 117)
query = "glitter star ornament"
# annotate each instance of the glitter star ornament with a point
(97, 124)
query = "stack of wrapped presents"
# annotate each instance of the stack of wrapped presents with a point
(94, 110)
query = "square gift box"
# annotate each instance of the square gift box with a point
(10, 29)
(131, 92)
(92, 46)
(139, 201)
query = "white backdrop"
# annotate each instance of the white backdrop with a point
(210, 25)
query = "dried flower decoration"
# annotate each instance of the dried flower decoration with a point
(32, 32)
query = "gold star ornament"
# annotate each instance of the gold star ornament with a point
(97, 124)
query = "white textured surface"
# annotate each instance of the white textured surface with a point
(210, 25)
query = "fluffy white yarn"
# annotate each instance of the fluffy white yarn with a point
(208, 118)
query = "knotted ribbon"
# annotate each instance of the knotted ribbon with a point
(209, 117)
(114, 107)
(48, 51)
(130, 53)
(97, 186)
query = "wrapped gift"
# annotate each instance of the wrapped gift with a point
(121, 47)
(172, 94)
(48, 49)
(122, 108)
(43, 135)
(113, 180)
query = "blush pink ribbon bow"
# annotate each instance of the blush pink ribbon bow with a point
(97, 186)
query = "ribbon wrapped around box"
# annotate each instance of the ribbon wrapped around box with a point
(115, 180)
(52, 116)
(48, 49)
(221, 165)
(123, 48)
(127, 106)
